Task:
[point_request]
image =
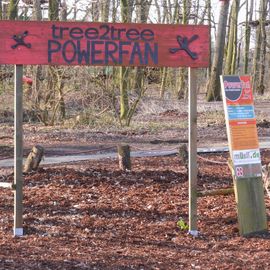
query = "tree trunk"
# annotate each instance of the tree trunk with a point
(95, 11)
(13, 10)
(1, 10)
(53, 10)
(165, 18)
(239, 56)
(130, 8)
(64, 11)
(182, 86)
(232, 40)
(256, 58)
(263, 14)
(124, 72)
(62, 105)
(142, 15)
(158, 11)
(249, 16)
(213, 87)
(56, 73)
(210, 43)
(5, 11)
(124, 101)
(37, 70)
(114, 10)
(37, 14)
(163, 82)
(105, 9)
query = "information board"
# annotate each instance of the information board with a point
(241, 125)
(103, 44)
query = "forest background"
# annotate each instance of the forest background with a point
(111, 96)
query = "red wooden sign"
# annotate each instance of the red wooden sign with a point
(100, 44)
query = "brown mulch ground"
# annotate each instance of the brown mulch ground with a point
(90, 215)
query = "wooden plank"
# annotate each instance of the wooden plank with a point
(99, 44)
(18, 152)
(192, 147)
(250, 205)
(215, 192)
(245, 154)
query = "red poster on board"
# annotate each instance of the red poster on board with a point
(102, 44)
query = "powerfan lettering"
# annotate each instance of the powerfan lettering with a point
(102, 45)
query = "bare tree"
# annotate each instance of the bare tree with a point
(1, 10)
(182, 86)
(13, 10)
(232, 39)
(259, 86)
(37, 70)
(105, 10)
(213, 86)
(142, 8)
(124, 102)
(175, 18)
(64, 11)
(249, 16)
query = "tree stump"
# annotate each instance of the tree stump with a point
(34, 158)
(124, 157)
(183, 154)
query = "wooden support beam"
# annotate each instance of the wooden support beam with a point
(251, 208)
(192, 147)
(216, 192)
(18, 151)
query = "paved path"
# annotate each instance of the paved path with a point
(74, 158)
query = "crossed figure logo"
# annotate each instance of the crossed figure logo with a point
(20, 40)
(184, 45)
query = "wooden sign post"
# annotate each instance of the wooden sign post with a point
(103, 44)
(245, 153)
(18, 151)
(192, 150)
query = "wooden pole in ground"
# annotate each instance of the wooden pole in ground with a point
(192, 149)
(18, 151)
(245, 163)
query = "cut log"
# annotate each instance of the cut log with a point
(183, 154)
(33, 159)
(224, 191)
(124, 157)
